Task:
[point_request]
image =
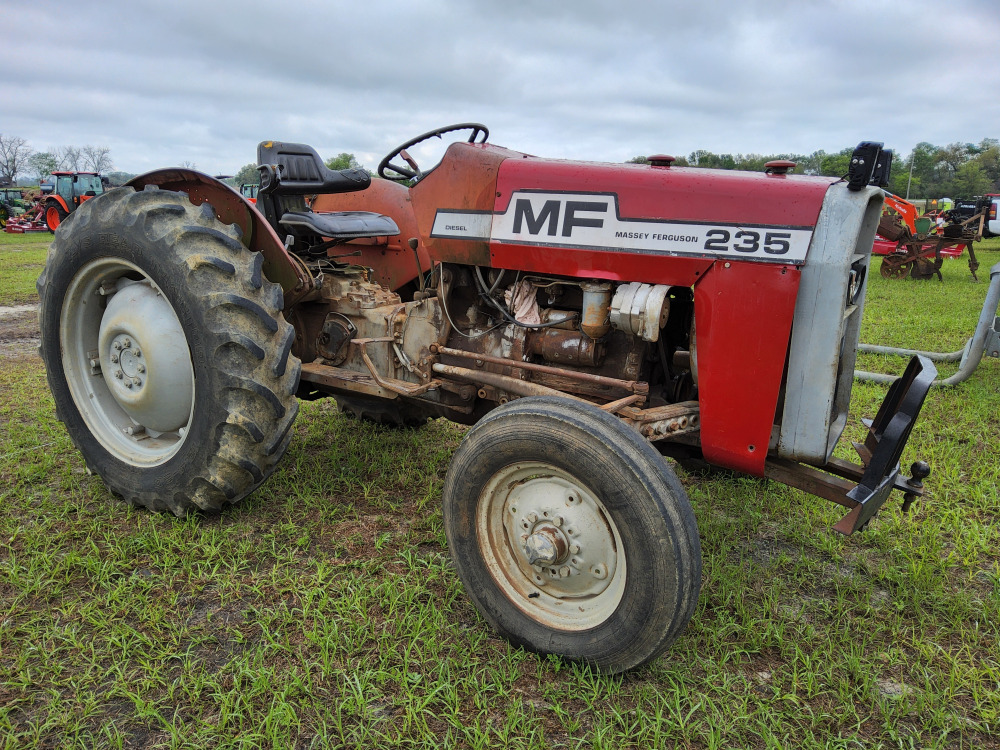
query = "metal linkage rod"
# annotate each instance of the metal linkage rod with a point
(986, 339)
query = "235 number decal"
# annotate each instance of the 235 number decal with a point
(747, 241)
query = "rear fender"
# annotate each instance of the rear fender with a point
(58, 200)
(232, 208)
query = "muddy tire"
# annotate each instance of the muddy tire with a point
(571, 533)
(166, 352)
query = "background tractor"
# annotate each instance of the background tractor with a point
(11, 205)
(66, 192)
(249, 191)
(586, 319)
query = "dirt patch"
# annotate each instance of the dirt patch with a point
(19, 334)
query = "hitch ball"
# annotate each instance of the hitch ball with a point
(919, 471)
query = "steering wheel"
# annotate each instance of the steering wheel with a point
(413, 172)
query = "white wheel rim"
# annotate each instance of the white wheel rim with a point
(551, 546)
(127, 362)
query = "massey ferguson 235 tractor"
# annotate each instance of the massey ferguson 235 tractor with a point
(587, 319)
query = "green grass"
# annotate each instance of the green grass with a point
(22, 257)
(324, 611)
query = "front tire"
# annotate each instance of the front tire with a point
(571, 533)
(54, 216)
(166, 352)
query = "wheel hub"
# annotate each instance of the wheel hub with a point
(558, 535)
(550, 545)
(546, 546)
(145, 360)
(127, 362)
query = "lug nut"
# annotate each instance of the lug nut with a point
(128, 383)
(136, 381)
(118, 346)
(564, 571)
(119, 374)
(557, 521)
(137, 353)
(128, 343)
(141, 368)
(532, 517)
(575, 549)
(114, 357)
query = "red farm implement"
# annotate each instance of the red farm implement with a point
(915, 247)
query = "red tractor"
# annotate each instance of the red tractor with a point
(587, 319)
(67, 192)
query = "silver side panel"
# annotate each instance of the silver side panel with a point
(826, 329)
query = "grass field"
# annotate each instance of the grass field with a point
(324, 611)
(22, 257)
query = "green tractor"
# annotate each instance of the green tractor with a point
(11, 204)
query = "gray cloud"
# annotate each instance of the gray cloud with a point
(161, 83)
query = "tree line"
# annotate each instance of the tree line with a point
(958, 170)
(17, 157)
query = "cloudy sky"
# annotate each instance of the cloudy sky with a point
(162, 83)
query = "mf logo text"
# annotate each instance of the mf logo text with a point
(547, 219)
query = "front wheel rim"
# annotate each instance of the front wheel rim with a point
(551, 546)
(126, 362)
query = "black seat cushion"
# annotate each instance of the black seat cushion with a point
(345, 225)
(301, 171)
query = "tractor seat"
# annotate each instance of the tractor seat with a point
(296, 169)
(340, 225)
(291, 171)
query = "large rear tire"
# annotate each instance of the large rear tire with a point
(571, 533)
(167, 355)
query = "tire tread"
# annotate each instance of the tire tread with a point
(249, 340)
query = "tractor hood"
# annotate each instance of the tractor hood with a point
(673, 194)
(582, 212)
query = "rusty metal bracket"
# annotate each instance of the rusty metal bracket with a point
(345, 380)
(503, 382)
(391, 384)
(835, 481)
(613, 407)
(864, 489)
(664, 422)
(632, 386)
